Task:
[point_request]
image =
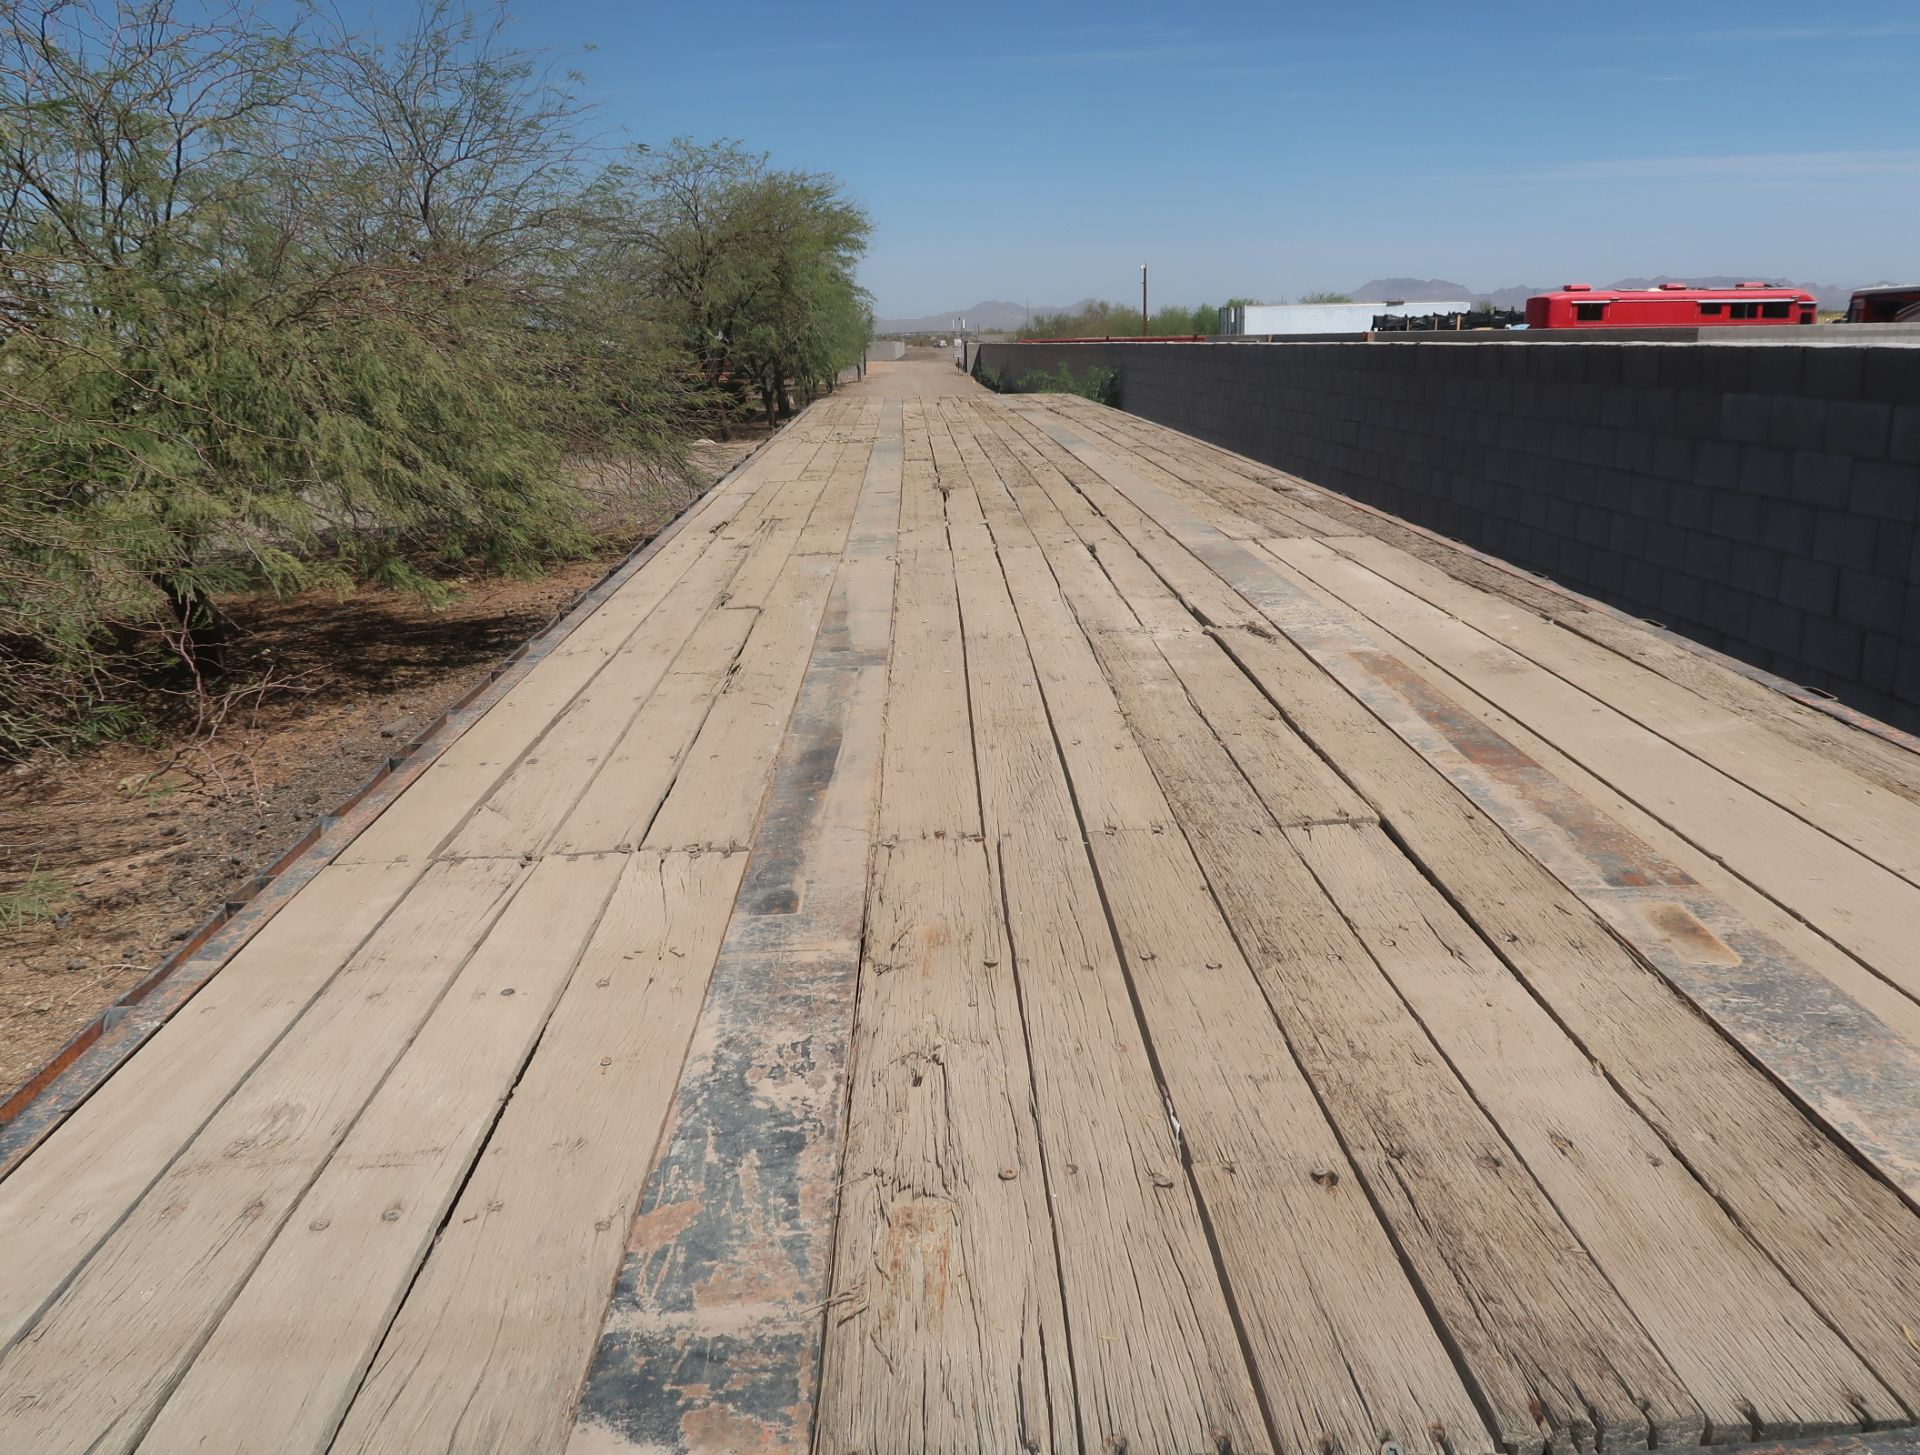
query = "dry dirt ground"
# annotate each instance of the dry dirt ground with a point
(109, 859)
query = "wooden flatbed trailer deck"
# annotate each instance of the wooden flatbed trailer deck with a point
(1014, 930)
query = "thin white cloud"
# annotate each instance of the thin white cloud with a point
(1766, 34)
(765, 52)
(1116, 56)
(1752, 167)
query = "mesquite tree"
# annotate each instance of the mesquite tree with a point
(754, 267)
(282, 305)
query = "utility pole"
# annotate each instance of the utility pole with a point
(1143, 300)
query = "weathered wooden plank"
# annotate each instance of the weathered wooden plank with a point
(1884, 764)
(1109, 795)
(716, 795)
(1294, 783)
(277, 1381)
(712, 1340)
(714, 800)
(1252, 489)
(1856, 902)
(1244, 516)
(1843, 1236)
(946, 1318)
(77, 1186)
(436, 805)
(477, 1360)
(826, 528)
(1743, 1339)
(618, 806)
(1157, 1363)
(1495, 1257)
(98, 1363)
(1883, 826)
(1761, 1156)
(522, 812)
(1346, 1352)
(1835, 1057)
(929, 784)
(1729, 898)
(946, 1315)
(1829, 1051)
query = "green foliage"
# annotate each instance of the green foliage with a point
(281, 307)
(1325, 298)
(1118, 320)
(38, 898)
(1100, 385)
(755, 268)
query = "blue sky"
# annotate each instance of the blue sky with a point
(1042, 151)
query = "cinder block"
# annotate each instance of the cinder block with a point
(1822, 479)
(1649, 497)
(1690, 505)
(1883, 488)
(1903, 443)
(1845, 539)
(1672, 456)
(1892, 546)
(1744, 418)
(1755, 569)
(1640, 365)
(1682, 367)
(1858, 428)
(1766, 471)
(1879, 660)
(1775, 626)
(1795, 422)
(1786, 527)
(1871, 601)
(1710, 557)
(1627, 534)
(1725, 609)
(1682, 597)
(1829, 372)
(1808, 585)
(1633, 451)
(1699, 414)
(1736, 516)
(1891, 375)
(1772, 368)
(1640, 587)
(1666, 545)
(1716, 464)
(1833, 646)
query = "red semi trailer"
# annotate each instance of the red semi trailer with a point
(1671, 305)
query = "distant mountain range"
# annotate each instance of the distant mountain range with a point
(995, 315)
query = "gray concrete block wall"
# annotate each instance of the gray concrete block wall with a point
(1763, 499)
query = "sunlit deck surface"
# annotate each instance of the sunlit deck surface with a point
(1015, 930)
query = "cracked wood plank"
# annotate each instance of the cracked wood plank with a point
(348, 1255)
(476, 1360)
(1494, 1256)
(946, 1316)
(1883, 826)
(1157, 1363)
(99, 1362)
(712, 1339)
(1843, 1237)
(58, 1205)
